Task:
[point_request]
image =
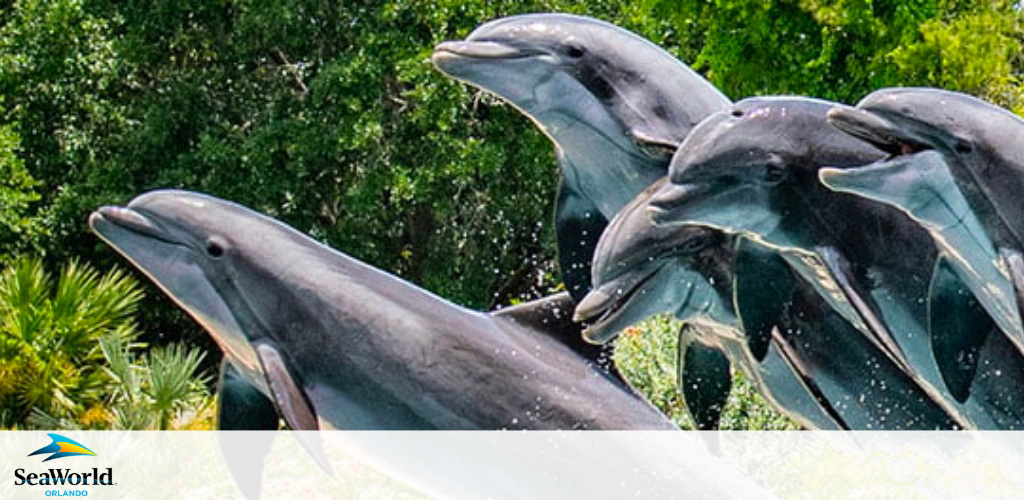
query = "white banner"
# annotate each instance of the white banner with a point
(500, 465)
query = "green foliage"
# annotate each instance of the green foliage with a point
(58, 361)
(159, 391)
(50, 335)
(19, 231)
(975, 51)
(59, 78)
(646, 355)
(844, 49)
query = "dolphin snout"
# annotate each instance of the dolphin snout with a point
(476, 50)
(125, 218)
(594, 304)
(669, 201)
(870, 127)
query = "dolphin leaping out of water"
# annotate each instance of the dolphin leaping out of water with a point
(335, 343)
(755, 172)
(956, 169)
(744, 306)
(615, 105)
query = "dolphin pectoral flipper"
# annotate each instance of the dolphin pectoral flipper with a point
(808, 392)
(878, 332)
(578, 227)
(704, 377)
(762, 289)
(959, 326)
(240, 405)
(552, 316)
(1014, 261)
(291, 402)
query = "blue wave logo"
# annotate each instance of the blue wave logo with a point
(62, 447)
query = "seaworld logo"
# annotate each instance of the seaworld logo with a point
(59, 448)
(62, 447)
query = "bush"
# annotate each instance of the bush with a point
(67, 354)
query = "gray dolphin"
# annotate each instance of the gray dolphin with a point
(958, 171)
(747, 171)
(335, 343)
(615, 105)
(922, 186)
(755, 172)
(809, 364)
(641, 270)
(980, 141)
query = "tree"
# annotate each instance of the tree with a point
(844, 49)
(19, 231)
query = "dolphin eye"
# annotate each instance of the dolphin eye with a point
(214, 247)
(574, 51)
(963, 147)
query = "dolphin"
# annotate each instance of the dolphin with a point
(739, 172)
(923, 187)
(754, 171)
(957, 171)
(335, 343)
(980, 142)
(706, 381)
(722, 285)
(615, 105)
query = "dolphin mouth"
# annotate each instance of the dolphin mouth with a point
(130, 220)
(670, 204)
(601, 307)
(875, 129)
(479, 50)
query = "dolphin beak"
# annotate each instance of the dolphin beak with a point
(594, 304)
(670, 201)
(125, 218)
(871, 127)
(605, 304)
(857, 122)
(476, 50)
(854, 180)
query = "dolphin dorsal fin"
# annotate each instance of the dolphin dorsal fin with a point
(289, 398)
(552, 316)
